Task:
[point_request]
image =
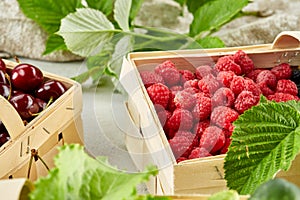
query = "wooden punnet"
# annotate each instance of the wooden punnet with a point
(60, 123)
(149, 145)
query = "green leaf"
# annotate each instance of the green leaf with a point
(181, 2)
(54, 43)
(266, 139)
(48, 13)
(225, 195)
(121, 13)
(135, 8)
(211, 42)
(79, 176)
(105, 6)
(193, 5)
(214, 14)
(85, 31)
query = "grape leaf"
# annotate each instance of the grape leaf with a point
(122, 12)
(214, 14)
(54, 43)
(105, 6)
(79, 176)
(266, 139)
(85, 30)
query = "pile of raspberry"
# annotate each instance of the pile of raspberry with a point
(197, 109)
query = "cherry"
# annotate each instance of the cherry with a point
(41, 103)
(4, 90)
(25, 105)
(50, 89)
(2, 65)
(26, 77)
(4, 137)
(2, 77)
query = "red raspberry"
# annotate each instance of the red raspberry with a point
(223, 116)
(225, 77)
(287, 86)
(244, 61)
(186, 75)
(164, 65)
(176, 88)
(171, 76)
(282, 71)
(237, 85)
(203, 70)
(244, 101)
(266, 76)
(253, 74)
(181, 119)
(163, 116)
(149, 78)
(202, 109)
(251, 86)
(159, 94)
(282, 97)
(193, 137)
(265, 90)
(223, 97)
(185, 100)
(180, 159)
(226, 145)
(181, 146)
(226, 63)
(191, 90)
(208, 84)
(213, 139)
(200, 127)
(199, 152)
(171, 105)
(191, 83)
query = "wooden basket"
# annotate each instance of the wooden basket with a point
(60, 122)
(148, 144)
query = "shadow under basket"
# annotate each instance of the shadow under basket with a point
(58, 124)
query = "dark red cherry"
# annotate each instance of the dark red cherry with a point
(25, 105)
(4, 90)
(51, 88)
(26, 77)
(2, 77)
(42, 104)
(4, 137)
(2, 65)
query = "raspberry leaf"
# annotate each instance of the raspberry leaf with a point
(122, 12)
(266, 139)
(105, 6)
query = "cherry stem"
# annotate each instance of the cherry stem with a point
(35, 155)
(48, 104)
(10, 85)
(17, 59)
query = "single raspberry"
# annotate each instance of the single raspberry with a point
(171, 105)
(251, 86)
(223, 97)
(149, 78)
(244, 61)
(287, 86)
(159, 94)
(282, 97)
(200, 127)
(164, 65)
(265, 90)
(203, 70)
(208, 84)
(185, 100)
(225, 78)
(223, 116)
(282, 71)
(186, 75)
(181, 146)
(213, 139)
(266, 76)
(163, 116)
(191, 83)
(226, 146)
(199, 152)
(181, 119)
(191, 90)
(237, 85)
(199, 95)
(202, 109)
(176, 88)
(180, 159)
(193, 137)
(244, 101)
(171, 76)
(226, 63)
(253, 74)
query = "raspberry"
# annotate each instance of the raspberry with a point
(225, 78)
(266, 76)
(181, 119)
(243, 60)
(200, 127)
(199, 152)
(213, 139)
(171, 76)
(223, 97)
(226, 63)
(237, 85)
(191, 90)
(181, 146)
(159, 94)
(164, 65)
(245, 100)
(223, 116)
(186, 75)
(149, 78)
(253, 74)
(176, 88)
(185, 100)
(192, 137)
(203, 70)
(208, 84)
(265, 90)
(282, 71)
(163, 116)
(251, 86)
(202, 109)
(287, 86)
(171, 105)
(226, 145)
(191, 83)
(282, 97)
